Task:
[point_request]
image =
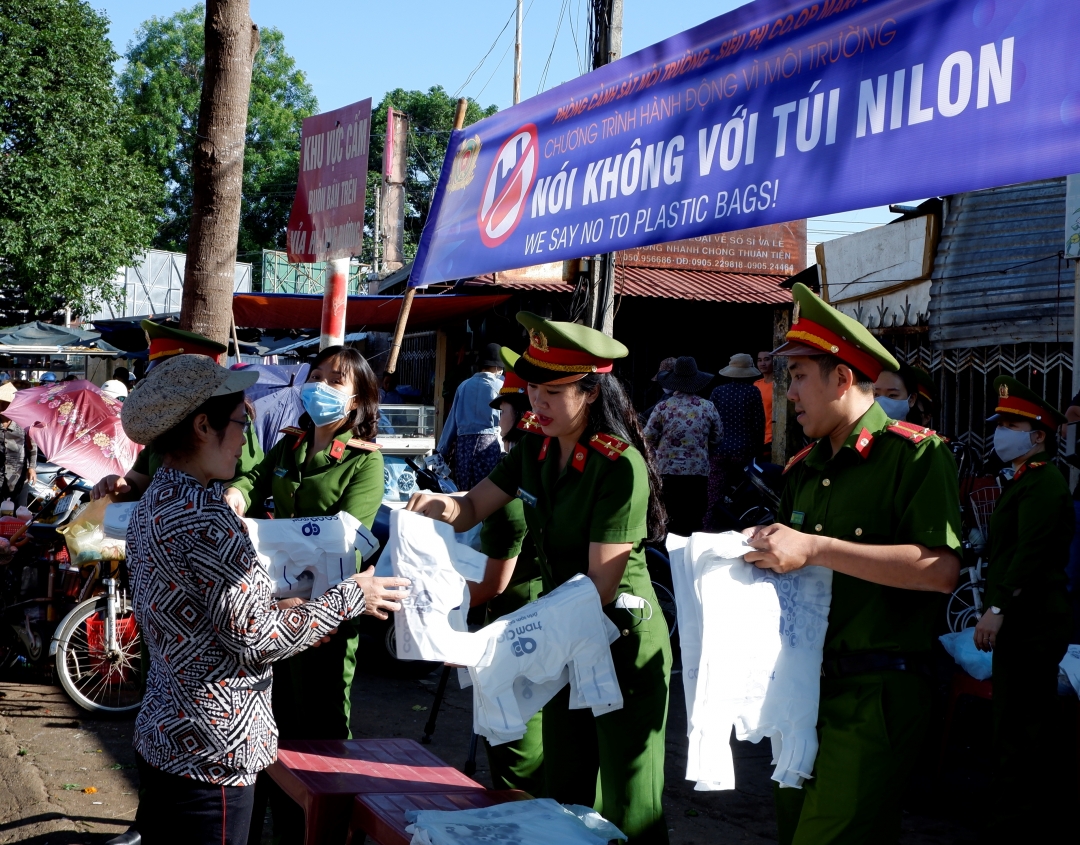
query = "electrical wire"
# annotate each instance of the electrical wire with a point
(485, 57)
(505, 52)
(554, 41)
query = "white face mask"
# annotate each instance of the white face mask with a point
(1011, 444)
(895, 409)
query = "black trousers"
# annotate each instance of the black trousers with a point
(175, 810)
(685, 498)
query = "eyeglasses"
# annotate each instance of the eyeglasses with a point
(245, 424)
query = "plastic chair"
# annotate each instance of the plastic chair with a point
(324, 776)
(382, 817)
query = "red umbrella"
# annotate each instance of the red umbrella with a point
(77, 427)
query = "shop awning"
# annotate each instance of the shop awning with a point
(371, 313)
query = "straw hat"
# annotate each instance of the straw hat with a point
(7, 391)
(684, 377)
(741, 365)
(175, 388)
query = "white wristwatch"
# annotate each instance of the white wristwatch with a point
(995, 610)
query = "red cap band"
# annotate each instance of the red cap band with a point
(1022, 408)
(815, 335)
(566, 360)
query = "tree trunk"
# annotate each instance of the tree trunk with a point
(218, 168)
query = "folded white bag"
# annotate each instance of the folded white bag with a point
(760, 660)
(431, 622)
(317, 552)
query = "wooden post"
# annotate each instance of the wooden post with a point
(785, 428)
(440, 381)
(406, 305)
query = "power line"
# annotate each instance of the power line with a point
(554, 41)
(507, 50)
(484, 59)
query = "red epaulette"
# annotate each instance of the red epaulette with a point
(798, 456)
(367, 446)
(528, 422)
(609, 446)
(911, 432)
(1026, 467)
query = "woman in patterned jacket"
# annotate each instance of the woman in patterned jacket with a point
(204, 606)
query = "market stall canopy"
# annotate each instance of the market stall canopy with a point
(47, 335)
(373, 313)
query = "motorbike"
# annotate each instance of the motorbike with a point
(76, 612)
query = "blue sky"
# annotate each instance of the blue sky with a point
(352, 49)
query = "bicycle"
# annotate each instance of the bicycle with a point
(965, 606)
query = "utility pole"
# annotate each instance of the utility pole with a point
(517, 57)
(606, 48)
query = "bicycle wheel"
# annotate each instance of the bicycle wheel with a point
(960, 612)
(96, 681)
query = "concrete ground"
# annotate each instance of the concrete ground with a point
(52, 755)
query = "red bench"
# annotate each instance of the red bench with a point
(382, 817)
(324, 776)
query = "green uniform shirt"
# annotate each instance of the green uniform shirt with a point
(881, 488)
(506, 535)
(149, 462)
(322, 487)
(1030, 533)
(596, 498)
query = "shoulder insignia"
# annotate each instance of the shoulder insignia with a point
(1026, 467)
(293, 430)
(864, 443)
(608, 445)
(798, 456)
(528, 422)
(911, 432)
(367, 446)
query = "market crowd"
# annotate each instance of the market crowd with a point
(565, 478)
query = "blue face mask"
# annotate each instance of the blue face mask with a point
(895, 409)
(323, 403)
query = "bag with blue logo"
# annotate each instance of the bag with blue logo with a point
(305, 557)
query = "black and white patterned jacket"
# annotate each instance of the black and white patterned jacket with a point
(202, 600)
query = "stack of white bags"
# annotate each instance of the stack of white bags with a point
(517, 663)
(753, 661)
(306, 557)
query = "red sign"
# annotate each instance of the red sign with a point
(776, 250)
(327, 219)
(508, 184)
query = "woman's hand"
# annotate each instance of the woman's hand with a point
(112, 487)
(435, 506)
(380, 594)
(986, 631)
(235, 500)
(779, 548)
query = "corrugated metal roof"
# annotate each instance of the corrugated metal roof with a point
(980, 295)
(696, 285)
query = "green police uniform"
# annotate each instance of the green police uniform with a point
(311, 690)
(1030, 533)
(613, 762)
(890, 483)
(518, 764)
(149, 462)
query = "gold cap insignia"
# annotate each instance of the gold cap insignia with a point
(1003, 391)
(464, 167)
(795, 313)
(538, 339)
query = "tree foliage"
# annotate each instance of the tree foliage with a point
(74, 204)
(162, 83)
(431, 119)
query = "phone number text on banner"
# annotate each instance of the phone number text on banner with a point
(774, 112)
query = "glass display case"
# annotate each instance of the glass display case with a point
(406, 429)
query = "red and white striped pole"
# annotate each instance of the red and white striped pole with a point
(335, 300)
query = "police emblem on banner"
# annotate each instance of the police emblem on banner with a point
(464, 167)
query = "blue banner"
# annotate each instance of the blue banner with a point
(774, 112)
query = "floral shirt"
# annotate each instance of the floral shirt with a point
(202, 601)
(680, 431)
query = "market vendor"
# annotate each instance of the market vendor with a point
(164, 343)
(1027, 621)
(18, 451)
(511, 580)
(590, 495)
(877, 502)
(327, 464)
